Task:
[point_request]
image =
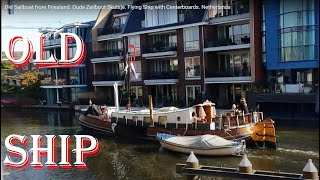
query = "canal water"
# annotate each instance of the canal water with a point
(137, 159)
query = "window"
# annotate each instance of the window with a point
(193, 94)
(137, 90)
(72, 52)
(134, 40)
(191, 38)
(236, 7)
(137, 67)
(192, 67)
(234, 34)
(234, 64)
(297, 36)
(161, 16)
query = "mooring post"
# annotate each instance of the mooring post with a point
(245, 165)
(310, 171)
(192, 162)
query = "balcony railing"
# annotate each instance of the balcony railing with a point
(161, 75)
(107, 53)
(305, 88)
(232, 40)
(49, 81)
(161, 47)
(54, 82)
(107, 77)
(110, 30)
(52, 42)
(235, 73)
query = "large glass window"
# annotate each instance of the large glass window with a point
(234, 34)
(161, 16)
(193, 94)
(297, 31)
(135, 40)
(236, 7)
(192, 65)
(234, 64)
(191, 38)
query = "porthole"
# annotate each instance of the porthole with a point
(178, 118)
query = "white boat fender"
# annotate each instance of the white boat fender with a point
(113, 126)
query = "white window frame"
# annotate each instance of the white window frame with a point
(184, 38)
(136, 44)
(194, 92)
(185, 67)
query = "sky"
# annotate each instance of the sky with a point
(28, 21)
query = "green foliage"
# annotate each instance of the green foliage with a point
(6, 65)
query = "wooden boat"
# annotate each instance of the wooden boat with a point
(94, 119)
(208, 145)
(200, 119)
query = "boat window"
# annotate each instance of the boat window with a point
(193, 114)
(178, 118)
(134, 118)
(162, 119)
(146, 119)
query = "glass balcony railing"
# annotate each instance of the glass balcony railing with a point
(107, 53)
(49, 81)
(162, 47)
(110, 30)
(108, 77)
(236, 73)
(161, 75)
(305, 88)
(232, 40)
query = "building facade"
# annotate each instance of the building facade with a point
(62, 84)
(291, 43)
(290, 54)
(184, 56)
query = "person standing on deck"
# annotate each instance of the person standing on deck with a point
(243, 107)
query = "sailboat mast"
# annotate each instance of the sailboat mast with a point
(128, 81)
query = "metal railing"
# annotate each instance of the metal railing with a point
(305, 88)
(162, 47)
(227, 41)
(161, 75)
(110, 30)
(108, 77)
(107, 53)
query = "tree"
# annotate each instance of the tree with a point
(31, 77)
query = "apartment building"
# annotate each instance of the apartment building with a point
(62, 84)
(184, 56)
(290, 54)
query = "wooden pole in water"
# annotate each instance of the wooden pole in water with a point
(151, 110)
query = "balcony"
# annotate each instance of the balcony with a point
(241, 41)
(47, 82)
(107, 77)
(161, 75)
(306, 88)
(107, 56)
(109, 30)
(107, 53)
(161, 49)
(227, 76)
(53, 42)
(236, 73)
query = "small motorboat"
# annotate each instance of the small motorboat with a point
(207, 145)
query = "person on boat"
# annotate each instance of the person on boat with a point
(234, 110)
(243, 107)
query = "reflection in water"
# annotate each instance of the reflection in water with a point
(136, 159)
